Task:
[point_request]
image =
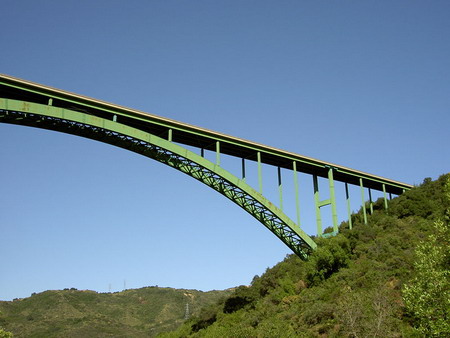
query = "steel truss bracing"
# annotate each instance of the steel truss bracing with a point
(164, 151)
(27, 103)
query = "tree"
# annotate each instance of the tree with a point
(367, 313)
(427, 296)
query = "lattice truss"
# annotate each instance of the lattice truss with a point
(174, 160)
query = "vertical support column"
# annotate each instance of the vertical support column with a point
(297, 202)
(202, 152)
(259, 173)
(317, 204)
(390, 196)
(384, 197)
(243, 169)
(169, 137)
(349, 211)
(333, 200)
(280, 188)
(370, 202)
(218, 153)
(363, 200)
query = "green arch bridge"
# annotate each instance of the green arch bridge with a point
(30, 104)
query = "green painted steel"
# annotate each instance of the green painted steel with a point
(164, 151)
(260, 182)
(349, 210)
(363, 200)
(280, 188)
(317, 204)
(218, 153)
(385, 199)
(329, 201)
(333, 200)
(27, 103)
(297, 200)
(186, 134)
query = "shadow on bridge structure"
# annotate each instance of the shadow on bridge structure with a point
(171, 142)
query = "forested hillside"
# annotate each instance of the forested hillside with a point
(389, 278)
(131, 313)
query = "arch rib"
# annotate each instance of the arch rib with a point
(173, 155)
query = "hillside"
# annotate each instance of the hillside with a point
(354, 284)
(383, 279)
(131, 313)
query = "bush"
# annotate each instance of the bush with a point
(427, 296)
(242, 297)
(331, 255)
(5, 334)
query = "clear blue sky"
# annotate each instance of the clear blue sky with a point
(363, 84)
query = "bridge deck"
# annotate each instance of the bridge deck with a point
(14, 88)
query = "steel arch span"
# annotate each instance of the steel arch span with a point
(166, 152)
(31, 104)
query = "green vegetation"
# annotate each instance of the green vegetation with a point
(427, 295)
(352, 284)
(387, 278)
(131, 313)
(5, 334)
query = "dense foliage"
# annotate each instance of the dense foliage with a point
(352, 284)
(387, 278)
(427, 295)
(5, 334)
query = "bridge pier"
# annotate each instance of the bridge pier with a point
(297, 200)
(330, 201)
(363, 200)
(258, 155)
(349, 211)
(280, 189)
(384, 197)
